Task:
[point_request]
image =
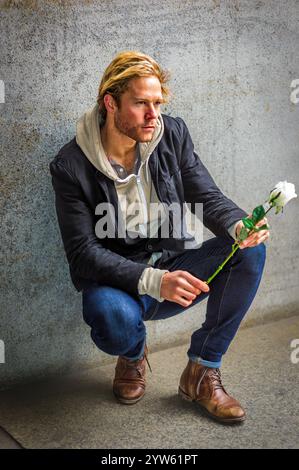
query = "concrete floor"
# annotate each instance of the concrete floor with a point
(7, 441)
(79, 411)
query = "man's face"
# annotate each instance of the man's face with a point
(137, 115)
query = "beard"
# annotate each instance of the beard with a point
(134, 132)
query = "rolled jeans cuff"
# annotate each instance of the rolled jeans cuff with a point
(203, 362)
(139, 355)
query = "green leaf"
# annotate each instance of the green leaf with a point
(243, 234)
(263, 227)
(257, 214)
(248, 223)
(272, 200)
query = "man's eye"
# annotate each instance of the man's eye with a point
(157, 103)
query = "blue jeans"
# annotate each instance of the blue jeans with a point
(117, 318)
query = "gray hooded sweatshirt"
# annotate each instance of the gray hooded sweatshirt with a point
(135, 192)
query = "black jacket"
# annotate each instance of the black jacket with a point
(178, 176)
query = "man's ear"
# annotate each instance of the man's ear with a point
(110, 103)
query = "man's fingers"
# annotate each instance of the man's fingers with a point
(185, 293)
(262, 222)
(184, 284)
(185, 303)
(181, 301)
(255, 239)
(195, 282)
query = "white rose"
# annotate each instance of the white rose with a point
(287, 192)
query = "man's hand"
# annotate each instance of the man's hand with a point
(256, 237)
(181, 287)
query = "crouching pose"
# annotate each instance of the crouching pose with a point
(126, 158)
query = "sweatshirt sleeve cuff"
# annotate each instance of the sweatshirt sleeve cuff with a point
(232, 229)
(150, 282)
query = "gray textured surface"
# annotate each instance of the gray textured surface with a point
(79, 410)
(7, 441)
(232, 63)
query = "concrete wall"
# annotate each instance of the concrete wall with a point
(232, 65)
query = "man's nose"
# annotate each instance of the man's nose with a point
(151, 112)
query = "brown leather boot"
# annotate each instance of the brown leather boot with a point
(203, 385)
(129, 381)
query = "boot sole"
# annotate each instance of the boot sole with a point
(126, 401)
(216, 418)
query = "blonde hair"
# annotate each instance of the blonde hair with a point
(125, 66)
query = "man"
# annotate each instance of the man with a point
(127, 155)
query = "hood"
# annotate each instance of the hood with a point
(88, 137)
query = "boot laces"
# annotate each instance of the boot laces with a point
(136, 364)
(145, 355)
(215, 376)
